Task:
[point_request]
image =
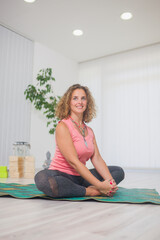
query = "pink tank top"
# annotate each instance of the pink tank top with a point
(84, 153)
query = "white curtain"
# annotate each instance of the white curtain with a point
(16, 57)
(130, 107)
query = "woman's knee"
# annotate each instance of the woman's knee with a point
(40, 180)
(117, 173)
(121, 173)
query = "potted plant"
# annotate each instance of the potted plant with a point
(43, 98)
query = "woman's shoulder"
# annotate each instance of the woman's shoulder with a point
(64, 120)
(62, 125)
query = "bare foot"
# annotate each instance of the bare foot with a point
(92, 191)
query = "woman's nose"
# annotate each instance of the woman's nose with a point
(79, 100)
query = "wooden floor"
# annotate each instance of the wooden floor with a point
(39, 219)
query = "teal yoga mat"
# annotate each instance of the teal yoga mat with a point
(123, 195)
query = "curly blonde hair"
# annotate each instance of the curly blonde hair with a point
(63, 106)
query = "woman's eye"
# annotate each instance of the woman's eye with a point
(83, 98)
(74, 98)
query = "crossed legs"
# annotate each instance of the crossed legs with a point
(57, 184)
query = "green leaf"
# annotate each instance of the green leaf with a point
(38, 97)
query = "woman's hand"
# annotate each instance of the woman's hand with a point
(108, 187)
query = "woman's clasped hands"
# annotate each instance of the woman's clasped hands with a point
(108, 187)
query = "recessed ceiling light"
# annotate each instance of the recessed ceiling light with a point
(78, 32)
(30, 1)
(126, 15)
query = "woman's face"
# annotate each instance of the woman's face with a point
(78, 102)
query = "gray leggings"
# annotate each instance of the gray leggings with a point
(58, 184)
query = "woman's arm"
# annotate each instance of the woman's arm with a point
(66, 146)
(99, 163)
(101, 166)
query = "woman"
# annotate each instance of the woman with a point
(67, 175)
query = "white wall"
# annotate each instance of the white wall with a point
(16, 56)
(65, 72)
(130, 106)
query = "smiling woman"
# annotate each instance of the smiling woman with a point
(63, 109)
(78, 102)
(68, 175)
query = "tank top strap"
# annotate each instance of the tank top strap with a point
(72, 129)
(69, 124)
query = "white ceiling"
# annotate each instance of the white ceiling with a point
(51, 23)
